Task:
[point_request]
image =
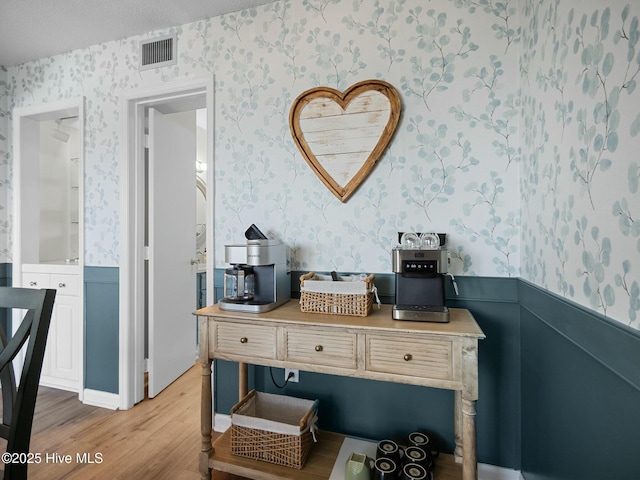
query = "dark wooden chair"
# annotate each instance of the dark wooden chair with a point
(19, 401)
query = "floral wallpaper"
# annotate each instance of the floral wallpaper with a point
(5, 232)
(516, 137)
(580, 141)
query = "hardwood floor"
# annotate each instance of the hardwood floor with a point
(157, 439)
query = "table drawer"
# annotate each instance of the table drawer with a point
(36, 280)
(412, 356)
(65, 284)
(244, 339)
(319, 347)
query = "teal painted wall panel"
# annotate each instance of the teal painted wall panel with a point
(352, 406)
(371, 409)
(611, 342)
(579, 394)
(5, 274)
(5, 281)
(101, 328)
(494, 304)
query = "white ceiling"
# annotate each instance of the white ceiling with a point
(33, 29)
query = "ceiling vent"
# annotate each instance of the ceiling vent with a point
(158, 52)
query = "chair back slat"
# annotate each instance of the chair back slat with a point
(8, 382)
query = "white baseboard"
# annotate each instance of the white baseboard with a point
(101, 399)
(222, 422)
(491, 472)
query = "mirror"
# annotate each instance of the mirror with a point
(201, 215)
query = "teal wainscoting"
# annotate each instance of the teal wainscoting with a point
(101, 307)
(5, 281)
(580, 391)
(5, 274)
(494, 304)
(201, 290)
(377, 410)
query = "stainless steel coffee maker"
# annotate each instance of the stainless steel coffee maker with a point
(420, 266)
(258, 279)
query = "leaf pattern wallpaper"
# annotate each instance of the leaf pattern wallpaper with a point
(5, 231)
(518, 138)
(580, 130)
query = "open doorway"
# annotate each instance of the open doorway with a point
(161, 257)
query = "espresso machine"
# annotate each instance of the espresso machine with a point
(257, 279)
(420, 266)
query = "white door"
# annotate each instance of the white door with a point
(172, 223)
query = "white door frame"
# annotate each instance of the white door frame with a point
(24, 150)
(131, 325)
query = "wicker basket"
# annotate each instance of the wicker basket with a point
(319, 294)
(273, 428)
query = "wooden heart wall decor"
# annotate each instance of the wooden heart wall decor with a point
(342, 135)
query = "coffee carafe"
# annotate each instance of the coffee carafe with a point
(239, 283)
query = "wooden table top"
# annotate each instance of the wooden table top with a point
(461, 323)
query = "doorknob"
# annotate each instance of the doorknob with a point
(199, 258)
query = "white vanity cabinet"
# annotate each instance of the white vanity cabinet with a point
(61, 368)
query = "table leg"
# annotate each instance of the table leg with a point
(470, 455)
(205, 421)
(243, 380)
(458, 452)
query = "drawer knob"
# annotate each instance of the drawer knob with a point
(407, 357)
(61, 285)
(33, 284)
(318, 348)
(244, 340)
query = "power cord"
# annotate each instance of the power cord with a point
(286, 380)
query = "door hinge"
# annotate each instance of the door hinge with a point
(147, 252)
(146, 140)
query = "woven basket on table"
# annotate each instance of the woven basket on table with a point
(275, 413)
(337, 302)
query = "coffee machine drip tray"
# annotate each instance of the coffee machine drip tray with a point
(248, 306)
(421, 313)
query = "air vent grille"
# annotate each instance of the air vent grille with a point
(159, 52)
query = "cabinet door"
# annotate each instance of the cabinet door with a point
(61, 366)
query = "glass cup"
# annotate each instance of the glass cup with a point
(430, 240)
(410, 240)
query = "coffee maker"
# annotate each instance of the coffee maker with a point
(420, 266)
(258, 279)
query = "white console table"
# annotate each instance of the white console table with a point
(441, 355)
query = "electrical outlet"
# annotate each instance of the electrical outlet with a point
(295, 378)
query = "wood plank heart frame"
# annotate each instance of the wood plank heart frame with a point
(342, 135)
